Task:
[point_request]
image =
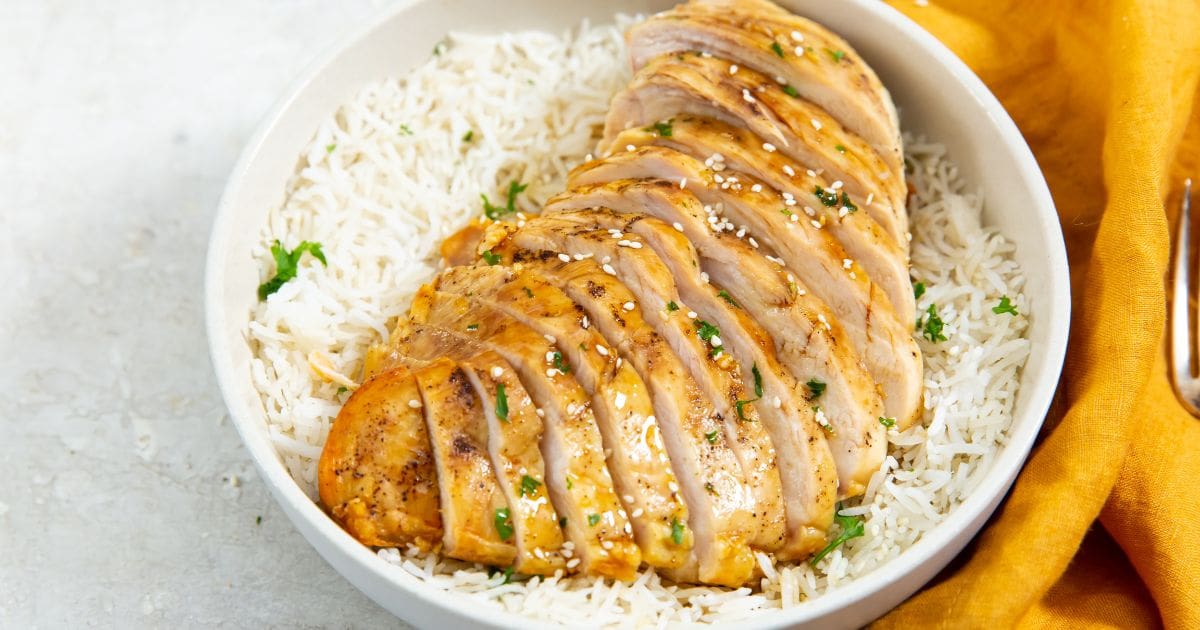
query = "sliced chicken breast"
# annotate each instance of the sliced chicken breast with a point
(720, 501)
(636, 455)
(818, 65)
(651, 287)
(807, 473)
(376, 475)
(881, 333)
(581, 489)
(676, 85)
(808, 338)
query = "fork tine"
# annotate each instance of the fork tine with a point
(1181, 346)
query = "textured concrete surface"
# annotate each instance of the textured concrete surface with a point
(128, 499)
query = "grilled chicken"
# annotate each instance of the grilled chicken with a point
(688, 357)
(807, 337)
(649, 285)
(676, 85)
(817, 64)
(580, 485)
(881, 334)
(807, 472)
(637, 458)
(376, 475)
(720, 500)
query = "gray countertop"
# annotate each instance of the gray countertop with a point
(130, 501)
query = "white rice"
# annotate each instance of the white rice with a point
(390, 175)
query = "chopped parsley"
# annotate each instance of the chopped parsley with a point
(791, 91)
(472, 326)
(778, 50)
(528, 293)
(918, 290)
(676, 530)
(1005, 307)
(840, 148)
(757, 380)
(503, 524)
(711, 437)
(561, 365)
(723, 294)
(258, 521)
(570, 484)
(887, 422)
(672, 306)
(501, 403)
(562, 523)
(330, 147)
(405, 130)
(827, 199)
(529, 485)
(931, 329)
(495, 212)
(489, 257)
(342, 390)
(716, 351)
(785, 212)
(593, 519)
(846, 203)
(706, 330)
(851, 526)
(815, 388)
(662, 128)
(469, 136)
(286, 264)
(740, 406)
(836, 55)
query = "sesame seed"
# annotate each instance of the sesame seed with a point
(635, 245)
(704, 277)
(623, 243)
(846, 262)
(706, 54)
(496, 371)
(794, 218)
(678, 226)
(799, 50)
(811, 173)
(718, 178)
(682, 183)
(797, 36)
(628, 529)
(809, 211)
(716, 342)
(569, 545)
(733, 69)
(756, 188)
(768, 147)
(781, 80)
(637, 513)
(551, 372)
(853, 276)
(567, 553)
(540, 413)
(606, 260)
(746, 96)
(791, 172)
(692, 315)
(572, 563)
(601, 350)
(619, 400)
(550, 357)
(629, 306)
(870, 198)
(740, 233)
(629, 147)
(815, 123)
(836, 185)
(673, 487)
(550, 338)
(753, 243)
(816, 224)
(789, 202)
(564, 258)
(584, 322)
(609, 270)
(414, 404)
(588, 157)
(775, 402)
(627, 498)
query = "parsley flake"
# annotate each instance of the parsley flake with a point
(501, 403)
(593, 519)
(777, 49)
(757, 380)
(330, 147)
(706, 331)
(287, 264)
(836, 55)
(561, 365)
(723, 294)
(791, 91)
(1005, 307)
(472, 326)
(932, 328)
(529, 485)
(711, 437)
(918, 290)
(850, 207)
(815, 388)
(851, 526)
(672, 306)
(469, 136)
(840, 148)
(495, 212)
(503, 525)
(489, 257)
(887, 422)
(662, 128)
(677, 529)
(827, 199)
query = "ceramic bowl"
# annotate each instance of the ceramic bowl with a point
(937, 96)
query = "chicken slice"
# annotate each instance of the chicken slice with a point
(674, 85)
(600, 540)
(820, 66)
(808, 338)
(637, 458)
(807, 473)
(376, 475)
(850, 287)
(719, 500)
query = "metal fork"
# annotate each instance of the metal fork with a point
(1183, 346)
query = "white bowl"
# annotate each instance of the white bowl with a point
(937, 95)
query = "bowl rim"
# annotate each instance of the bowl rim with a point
(1055, 315)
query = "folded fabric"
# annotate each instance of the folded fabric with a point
(1101, 526)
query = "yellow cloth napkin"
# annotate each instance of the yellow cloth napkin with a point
(1103, 525)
